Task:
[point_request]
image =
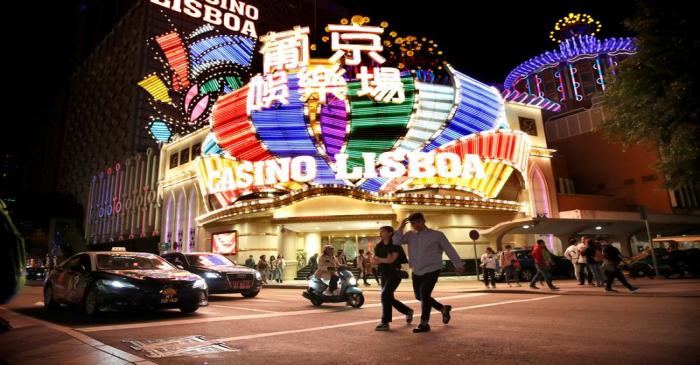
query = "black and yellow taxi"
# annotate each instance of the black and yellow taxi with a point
(112, 280)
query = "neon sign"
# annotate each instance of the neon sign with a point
(352, 120)
(235, 16)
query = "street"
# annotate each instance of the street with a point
(281, 327)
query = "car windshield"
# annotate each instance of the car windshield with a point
(131, 262)
(209, 260)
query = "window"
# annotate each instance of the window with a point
(196, 150)
(185, 156)
(174, 160)
(528, 126)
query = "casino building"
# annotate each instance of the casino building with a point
(374, 153)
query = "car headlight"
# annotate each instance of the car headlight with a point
(200, 284)
(212, 275)
(352, 281)
(119, 284)
(258, 276)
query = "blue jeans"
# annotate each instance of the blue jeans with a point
(597, 272)
(511, 274)
(542, 271)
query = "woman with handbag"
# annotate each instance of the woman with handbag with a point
(508, 262)
(389, 258)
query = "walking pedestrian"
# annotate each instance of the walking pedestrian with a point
(571, 253)
(250, 262)
(543, 260)
(313, 265)
(263, 268)
(360, 263)
(280, 268)
(611, 265)
(488, 264)
(509, 263)
(425, 249)
(389, 258)
(369, 266)
(582, 263)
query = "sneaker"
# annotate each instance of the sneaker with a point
(610, 290)
(409, 317)
(534, 287)
(634, 289)
(446, 314)
(422, 328)
(382, 327)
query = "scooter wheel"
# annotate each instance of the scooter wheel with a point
(356, 300)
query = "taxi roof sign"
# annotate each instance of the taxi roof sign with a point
(120, 249)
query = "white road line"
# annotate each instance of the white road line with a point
(321, 328)
(241, 308)
(245, 316)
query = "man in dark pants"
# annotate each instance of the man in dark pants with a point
(389, 259)
(611, 266)
(425, 249)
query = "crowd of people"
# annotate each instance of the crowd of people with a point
(272, 269)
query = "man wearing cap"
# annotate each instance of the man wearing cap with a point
(425, 249)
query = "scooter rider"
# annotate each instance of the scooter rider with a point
(327, 266)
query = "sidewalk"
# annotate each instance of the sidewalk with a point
(33, 341)
(648, 287)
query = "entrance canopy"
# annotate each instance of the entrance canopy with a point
(617, 224)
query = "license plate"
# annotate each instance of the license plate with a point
(242, 284)
(169, 296)
(168, 299)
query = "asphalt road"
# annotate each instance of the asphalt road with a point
(281, 327)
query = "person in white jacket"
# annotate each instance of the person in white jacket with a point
(572, 254)
(488, 263)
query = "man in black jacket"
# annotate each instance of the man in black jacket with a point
(611, 266)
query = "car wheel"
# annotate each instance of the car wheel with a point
(356, 300)
(189, 308)
(90, 303)
(49, 302)
(526, 274)
(251, 294)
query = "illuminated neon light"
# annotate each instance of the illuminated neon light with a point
(376, 127)
(600, 80)
(234, 130)
(570, 50)
(479, 108)
(175, 54)
(575, 85)
(435, 103)
(156, 87)
(515, 96)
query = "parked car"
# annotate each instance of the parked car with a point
(113, 280)
(561, 268)
(222, 275)
(676, 263)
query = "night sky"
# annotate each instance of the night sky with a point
(484, 42)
